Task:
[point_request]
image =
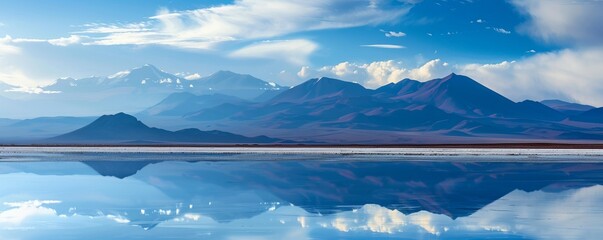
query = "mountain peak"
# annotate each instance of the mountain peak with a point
(460, 94)
(320, 88)
(402, 87)
(330, 81)
(147, 68)
(225, 74)
(108, 127)
(452, 77)
(117, 119)
(226, 80)
(123, 127)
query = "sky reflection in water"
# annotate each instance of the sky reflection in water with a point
(299, 200)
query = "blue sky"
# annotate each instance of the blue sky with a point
(521, 48)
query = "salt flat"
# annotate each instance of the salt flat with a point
(313, 150)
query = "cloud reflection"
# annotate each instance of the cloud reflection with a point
(569, 214)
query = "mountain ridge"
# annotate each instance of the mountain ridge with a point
(455, 107)
(121, 127)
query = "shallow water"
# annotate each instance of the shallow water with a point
(256, 196)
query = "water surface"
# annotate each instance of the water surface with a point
(296, 196)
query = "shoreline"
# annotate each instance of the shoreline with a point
(332, 146)
(423, 151)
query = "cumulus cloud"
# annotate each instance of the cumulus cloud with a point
(572, 22)
(430, 70)
(394, 34)
(376, 74)
(573, 75)
(293, 51)
(387, 46)
(248, 20)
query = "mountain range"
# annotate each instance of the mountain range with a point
(125, 91)
(148, 79)
(452, 109)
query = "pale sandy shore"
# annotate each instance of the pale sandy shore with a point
(405, 151)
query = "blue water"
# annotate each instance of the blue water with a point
(130, 196)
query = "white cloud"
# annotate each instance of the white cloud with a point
(293, 51)
(193, 76)
(394, 34)
(499, 30)
(16, 77)
(64, 41)
(378, 73)
(31, 90)
(568, 74)
(387, 46)
(573, 22)
(430, 70)
(73, 39)
(100, 28)
(248, 20)
(6, 47)
(304, 72)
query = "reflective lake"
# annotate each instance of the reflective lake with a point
(242, 196)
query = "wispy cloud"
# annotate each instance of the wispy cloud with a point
(32, 90)
(62, 42)
(499, 30)
(102, 28)
(247, 20)
(387, 46)
(66, 41)
(294, 51)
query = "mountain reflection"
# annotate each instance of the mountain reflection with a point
(302, 199)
